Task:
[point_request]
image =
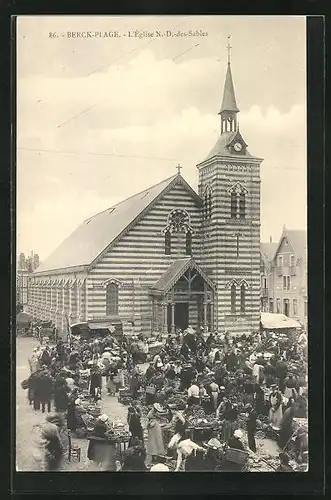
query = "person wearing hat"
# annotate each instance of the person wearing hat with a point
(155, 418)
(48, 448)
(100, 451)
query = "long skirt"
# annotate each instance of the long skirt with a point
(275, 417)
(155, 444)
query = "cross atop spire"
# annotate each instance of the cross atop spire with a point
(229, 49)
(179, 167)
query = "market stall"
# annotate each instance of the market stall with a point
(279, 322)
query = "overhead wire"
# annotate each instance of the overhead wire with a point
(91, 153)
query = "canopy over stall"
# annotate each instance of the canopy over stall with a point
(275, 321)
(87, 329)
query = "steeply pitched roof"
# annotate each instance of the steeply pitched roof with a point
(297, 239)
(221, 147)
(95, 234)
(268, 249)
(175, 271)
(229, 99)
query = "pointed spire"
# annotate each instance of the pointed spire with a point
(229, 99)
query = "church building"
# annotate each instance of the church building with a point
(167, 257)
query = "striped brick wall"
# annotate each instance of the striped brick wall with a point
(138, 260)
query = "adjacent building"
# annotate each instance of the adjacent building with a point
(284, 275)
(25, 267)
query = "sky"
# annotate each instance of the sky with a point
(101, 118)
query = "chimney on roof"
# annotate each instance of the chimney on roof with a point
(270, 239)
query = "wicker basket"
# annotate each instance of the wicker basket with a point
(236, 456)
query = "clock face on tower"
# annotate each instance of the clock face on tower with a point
(237, 147)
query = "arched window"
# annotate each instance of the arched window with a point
(238, 201)
(188, 243)
(242, 205)
(207, 203)
(233, 204)
(242, 298)
(112, 299)
(167, 242)
(233, 299)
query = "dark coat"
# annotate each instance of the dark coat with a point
(135, 426)
(44, 387)
(251, 422)
(61, 398)
(96, 381)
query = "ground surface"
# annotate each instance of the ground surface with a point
(26, 417)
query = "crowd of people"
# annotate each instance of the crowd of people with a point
(234, 386)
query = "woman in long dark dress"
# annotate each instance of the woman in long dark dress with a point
(100, 450)
(61, 398)
(135, 426)
(72, 422)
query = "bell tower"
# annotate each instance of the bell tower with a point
(229, 184)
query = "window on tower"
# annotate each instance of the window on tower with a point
(167, 242)
(233, 205)
(233, 299)
(242, 298)
(188, 243)
(238, 201)
(207, 203)
(242, 205)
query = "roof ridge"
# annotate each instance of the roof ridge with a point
(130, 197)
